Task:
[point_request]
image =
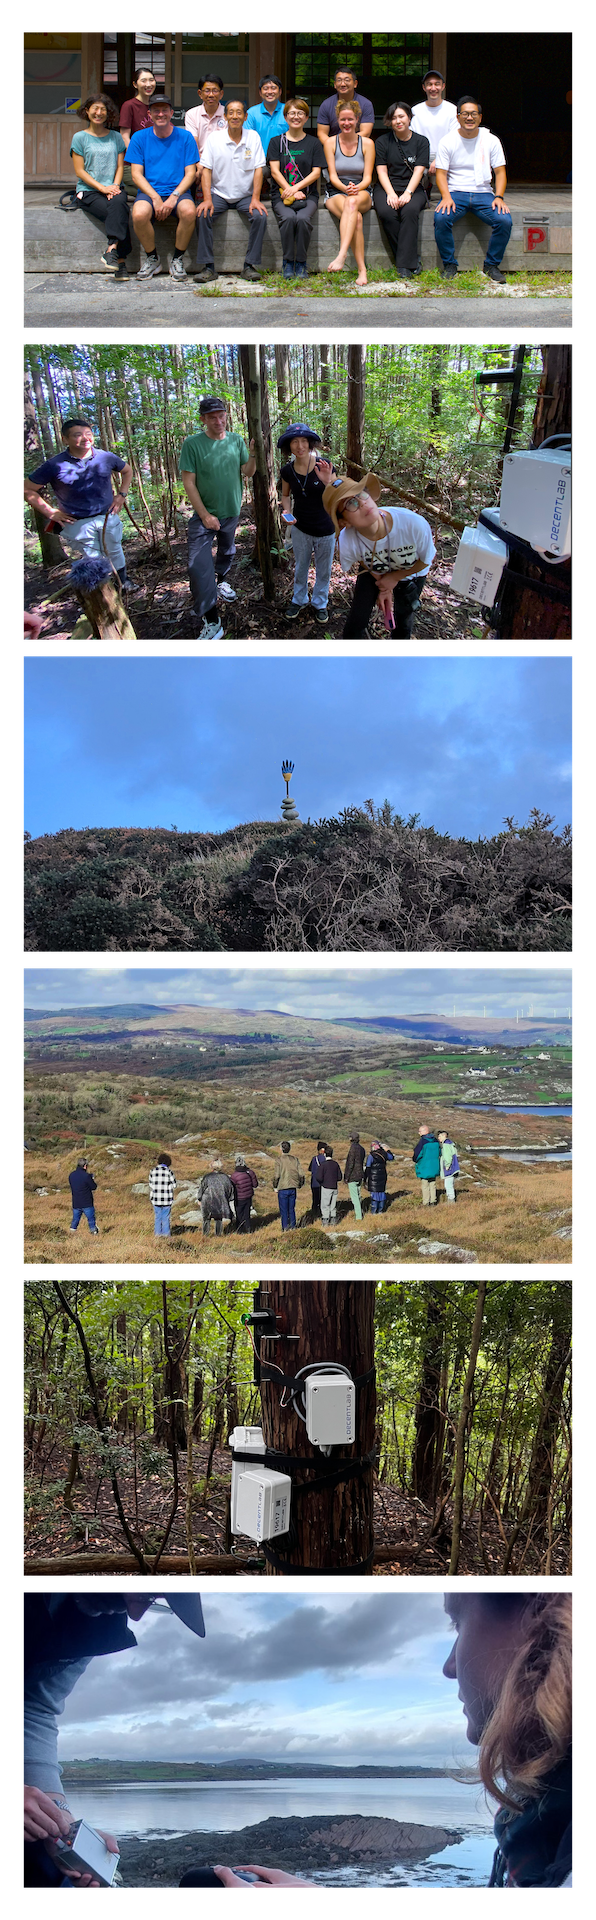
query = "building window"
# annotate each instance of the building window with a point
(386, 64)
(149, 51)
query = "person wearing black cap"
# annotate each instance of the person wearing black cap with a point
(163, 163)
(433, 116)
(213, 465)
(312, 530)
(63, 1632)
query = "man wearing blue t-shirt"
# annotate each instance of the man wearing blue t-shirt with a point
(80, 476)
(163, 162)
(267, 119)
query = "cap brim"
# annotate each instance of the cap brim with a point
(187, 1607)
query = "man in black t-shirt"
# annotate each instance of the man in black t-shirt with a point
(295, 160)
(398, 194)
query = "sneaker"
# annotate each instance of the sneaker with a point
(110, 260)
(494, 273)
(322, 615)
(292, 612)
(121, 273)
(225, 591)
(152, 264)
(449, 272)
(288, 269)
(177, 268)
(251, 273)
(206, 273)
(404, 273)
(211, 630)
(300, 270)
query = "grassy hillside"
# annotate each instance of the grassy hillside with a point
(366, 881)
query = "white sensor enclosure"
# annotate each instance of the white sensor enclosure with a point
(243, 1440)
(330, 1409)
(262, 1504)
(536, 498)
(478, 565)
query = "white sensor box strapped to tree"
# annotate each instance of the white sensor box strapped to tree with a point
(536, 498)
(478, 565)
(243, 1440)
(263, 1503)
(330, 1409)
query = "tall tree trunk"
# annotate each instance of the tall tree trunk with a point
(282, 376)
(429, 1420)
(525, 612)
(266, 518)
(356, 384)
(52, 551)
(463, 1425)
(331, 1528)
(325, 392)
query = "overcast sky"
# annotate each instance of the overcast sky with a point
(198, 744)
(312, 993)
(324, 1678)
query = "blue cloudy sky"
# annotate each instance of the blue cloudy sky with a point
(314, 992)
(198, 743)
(324, 1678)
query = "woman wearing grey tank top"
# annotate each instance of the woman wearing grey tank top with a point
(350, 162)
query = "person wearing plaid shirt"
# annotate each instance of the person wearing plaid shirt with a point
(162, 1187)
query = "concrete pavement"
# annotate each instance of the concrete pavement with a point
(70, 300)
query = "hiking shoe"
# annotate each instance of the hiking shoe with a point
(322, 615)
(251, 273)
(300, 270)
(206, 273)
(450, 271)
(292, 611)
(225, 591)
(110, 260)
(150, 266)
(178, 272)
(288, 269)
(211, 630)
(404, 273)
(494, 273)
(121, 273)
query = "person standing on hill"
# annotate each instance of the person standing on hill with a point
(427, 1162)
(162, 1187)
(376, 1174)
(316, 1174)
(215, 1191)
(82, 1186)
(331, 1176)
(287, 1177)
(353, 1172)
(244, 1182)
(449, 1164)
(213, 465)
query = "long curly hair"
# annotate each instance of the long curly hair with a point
(530, 1728)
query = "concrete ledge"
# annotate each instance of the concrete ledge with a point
(59, 242)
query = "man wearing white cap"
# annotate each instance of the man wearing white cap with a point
(63, 1632)
(390, 549)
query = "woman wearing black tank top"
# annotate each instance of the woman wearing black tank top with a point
(350, 196)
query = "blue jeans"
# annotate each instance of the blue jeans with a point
(480, 204)
(377, 1203)
(322, 547)
(89, 1213)
(287, 1207)
(162, 1220)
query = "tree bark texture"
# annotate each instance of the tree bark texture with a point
(526, 613)
(355, 432)
(429, 1419)
(332, 1529)
(462, 1426)
(106, 611)
(267, 535)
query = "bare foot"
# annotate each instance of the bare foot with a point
(362, 278)
(337, 265)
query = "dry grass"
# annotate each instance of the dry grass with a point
(505, 1212)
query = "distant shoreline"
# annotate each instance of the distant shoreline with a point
(176, 1773)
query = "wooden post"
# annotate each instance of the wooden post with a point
(106, 611)
(334, 1321)
(91, 64)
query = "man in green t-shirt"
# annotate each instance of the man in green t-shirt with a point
(213, 464)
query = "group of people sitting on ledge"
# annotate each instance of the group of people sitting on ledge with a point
(389, 549)
(228, 1197)
(223, 156)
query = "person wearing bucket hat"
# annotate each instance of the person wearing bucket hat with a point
(433, 116)
(390, 550)
(63, 1633)
(311, 529)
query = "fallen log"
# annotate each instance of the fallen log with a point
(178, 1562)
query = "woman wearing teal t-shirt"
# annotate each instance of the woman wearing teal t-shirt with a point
(98, 159)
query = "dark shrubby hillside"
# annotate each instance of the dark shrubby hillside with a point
(367, 881)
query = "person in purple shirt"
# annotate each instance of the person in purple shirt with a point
(87, 515)
(163, 161)
(345, 82)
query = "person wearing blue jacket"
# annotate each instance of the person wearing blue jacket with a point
(82, 1186)
(375, 1174)
(449, 1165)
(427, 1162)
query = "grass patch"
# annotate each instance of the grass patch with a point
(472, 283)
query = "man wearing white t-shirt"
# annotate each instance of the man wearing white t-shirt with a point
(233, 163)
(434, 116)
(389, 549)
(466, 160)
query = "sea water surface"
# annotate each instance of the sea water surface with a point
(154, 1809)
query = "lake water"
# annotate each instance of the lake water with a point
(495, 1106)
(151, 1810)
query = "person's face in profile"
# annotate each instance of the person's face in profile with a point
(486, 1641)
